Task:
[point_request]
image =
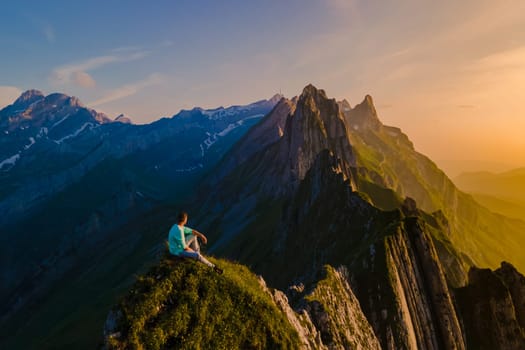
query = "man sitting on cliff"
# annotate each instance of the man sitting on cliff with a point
(183, 242)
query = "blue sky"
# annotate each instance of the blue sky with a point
(449, 70)
(176, 53)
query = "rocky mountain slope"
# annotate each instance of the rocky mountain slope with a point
(183, 304)
(493, 308)
(186, 305)
(332, 189)
(391, 161)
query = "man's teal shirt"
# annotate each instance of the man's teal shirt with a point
(177, 238)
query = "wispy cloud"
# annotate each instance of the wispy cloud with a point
(77, 72)
(511, 59)
(121, 49)
(49, 32)
(128, 90)
(8, 94)
(83, 79)
(42, 26)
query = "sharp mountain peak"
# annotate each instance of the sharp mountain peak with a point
(363, 115)
(344, 105)
(28, 97)
(367, 106)
(276, 98)
(60, 98)
(311, 90)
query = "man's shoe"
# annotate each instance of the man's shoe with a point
(218, 270)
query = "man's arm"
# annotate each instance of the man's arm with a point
(200, 235)
(183, 241)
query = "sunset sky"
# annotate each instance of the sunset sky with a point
(451, 74)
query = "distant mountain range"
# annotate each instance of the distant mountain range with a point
(361, 241)
(502, 193)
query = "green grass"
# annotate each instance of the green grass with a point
(185, 305)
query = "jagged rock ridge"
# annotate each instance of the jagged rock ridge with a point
(182, 304)
(311, 198)
(387, 158)
(493, 308)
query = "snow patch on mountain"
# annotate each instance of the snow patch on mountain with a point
(76, 133)
(213, 138)
(60, 121)
(221, 112)
(32, 142)
(229, 128)
(10, 161)
(43, 131)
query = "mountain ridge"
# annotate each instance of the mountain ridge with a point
(360, 221)
(319, 209)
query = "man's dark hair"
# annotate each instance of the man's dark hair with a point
(182, 215)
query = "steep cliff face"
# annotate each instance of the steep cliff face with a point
(268, 131)
(292, 207)
(397, 273)
(313, 125)
(492, 308)
(395, 268)
(316, 125)
(336, 312)
(515, 282)
(283, 147)
(327, 315)
(309, 335)
(363, 115)
(423, 308)
(386, 158)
